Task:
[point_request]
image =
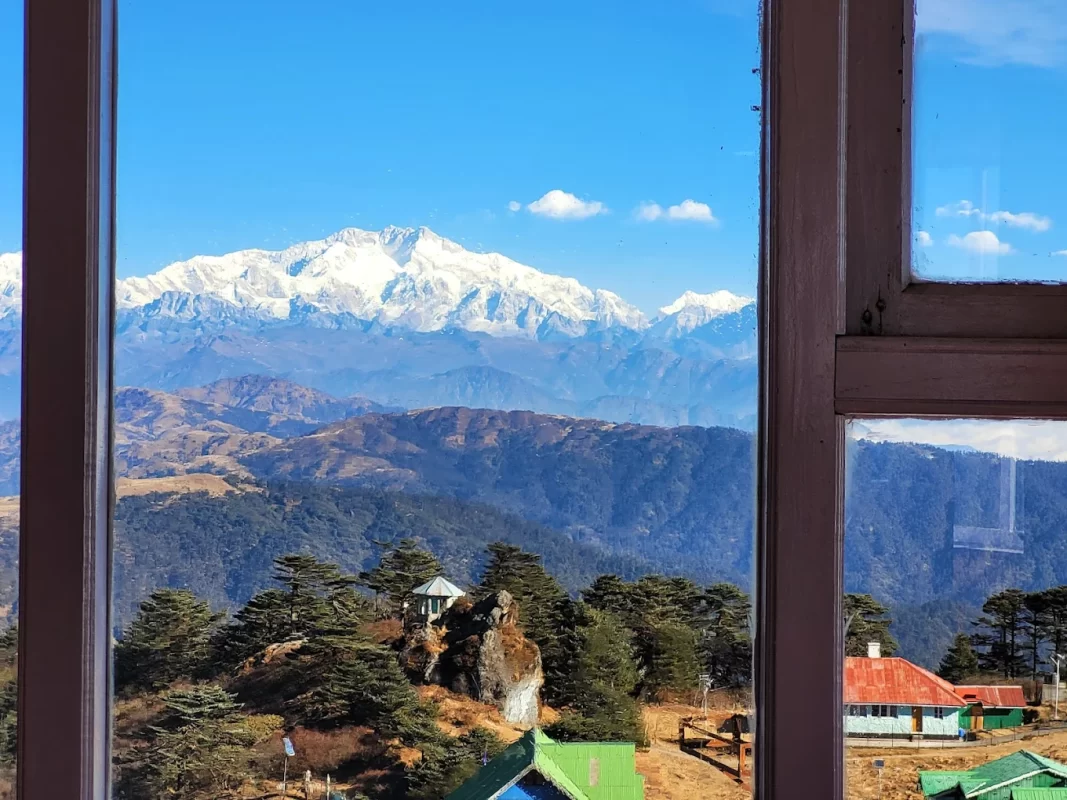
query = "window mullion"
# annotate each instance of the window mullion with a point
(799, 632)
(63, 719)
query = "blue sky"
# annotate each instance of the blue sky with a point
(258, 125)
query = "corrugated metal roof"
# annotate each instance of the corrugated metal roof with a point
(439, 587)
(582, 771)
(896, 681)
(998, 773)
(994, 696)
(1039, 794)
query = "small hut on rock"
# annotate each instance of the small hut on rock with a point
(434, 598)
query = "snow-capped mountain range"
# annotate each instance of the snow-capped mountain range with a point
(397, 277)
(409, 319)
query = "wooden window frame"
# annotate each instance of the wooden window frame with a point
(847, 331)
(835, 163)
(68, 278)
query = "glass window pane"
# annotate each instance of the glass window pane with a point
(11, 71)
(987, 141)
(436, 347)
(955, 606)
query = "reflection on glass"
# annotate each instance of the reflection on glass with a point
(437, 350)
(988, 80)
(955, 607)
(11, 69)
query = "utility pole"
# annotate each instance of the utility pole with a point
(1057, 659)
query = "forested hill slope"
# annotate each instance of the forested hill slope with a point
(222, 547)
(682, 495)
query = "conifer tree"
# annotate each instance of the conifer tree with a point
(601, 707)
(866, 621)
(539, 595)
(198, 747)
(1000, 633)
(960, 662)
(672, 659)
(445, 767)
(9, 696)
(725, 646)
(169, 639)
(317, 598)
(400, 570)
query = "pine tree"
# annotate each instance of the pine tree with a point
(9, 640)
(317, 598)
(960, 662)
(1056, 617)
(599, 691)
(610, 593)
(199, 746)
(672, 663)
(1035, 620)
(351, 681)
(400, 570)
(444, 768)
(169, 640)
(724, 621)
(539, 595)
(865, 622)
(1000, 633)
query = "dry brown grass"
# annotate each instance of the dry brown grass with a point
(214, 485)
(458, 714)
(901, 774)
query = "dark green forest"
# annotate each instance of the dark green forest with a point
(203, 698)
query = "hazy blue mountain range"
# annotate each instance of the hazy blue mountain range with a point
(406, 318)
(677, 500)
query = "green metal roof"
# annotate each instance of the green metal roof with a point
(1039, 794)
(1001, 772)
(581, 770)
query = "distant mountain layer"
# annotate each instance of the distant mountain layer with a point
(622, 496)
(408, 318)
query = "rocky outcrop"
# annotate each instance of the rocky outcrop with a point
(480, 650)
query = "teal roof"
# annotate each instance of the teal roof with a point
(1039, 794)
(991, 775)
(581, 770)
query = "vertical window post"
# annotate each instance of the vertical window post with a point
(64, 592)
(799, 632)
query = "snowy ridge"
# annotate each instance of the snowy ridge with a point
(410, 278)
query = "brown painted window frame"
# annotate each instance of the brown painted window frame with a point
(835, 163)
(68, 278)
(847, 331)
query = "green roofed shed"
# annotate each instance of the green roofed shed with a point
(537, 766)
(1000, 779)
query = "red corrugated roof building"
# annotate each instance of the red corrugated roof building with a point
(896, 681)
(994, 696)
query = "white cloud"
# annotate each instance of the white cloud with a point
(1038, 440)
(514, 205)
(981, 242)
(1026, 219)
(687, 210)
(924, 239)
(648, 212)
(964, 208)
(1060, 253)
(559, 204)
(995, 32)
(691, 210)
